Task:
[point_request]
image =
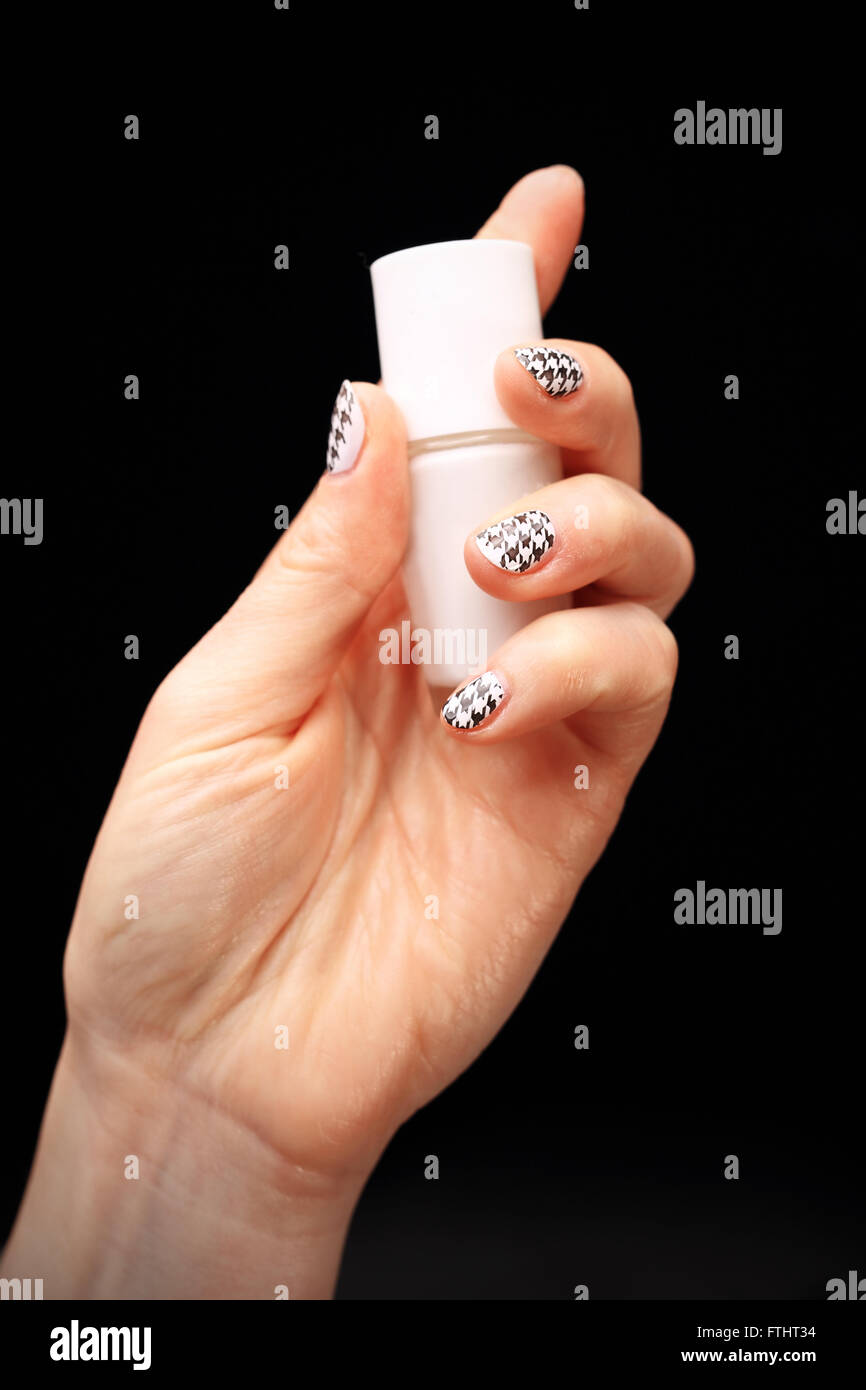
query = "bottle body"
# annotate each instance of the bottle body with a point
(459, 483)
(444, 313)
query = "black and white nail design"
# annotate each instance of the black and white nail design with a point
(347, 431)
(558, 373)
(518, 542)
(467, 707)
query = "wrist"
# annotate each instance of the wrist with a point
(142, 1192)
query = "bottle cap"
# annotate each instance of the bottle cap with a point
(444, 312)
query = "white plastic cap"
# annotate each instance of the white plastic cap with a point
(444, 312)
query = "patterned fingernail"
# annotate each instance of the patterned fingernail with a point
(467, 707)
(347, 431)
(558, 373)
(518, 542)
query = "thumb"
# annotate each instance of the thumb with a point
(272, 654)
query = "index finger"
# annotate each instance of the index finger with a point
(545, 209)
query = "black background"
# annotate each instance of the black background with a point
(558, 1167)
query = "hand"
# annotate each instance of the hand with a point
(313, 849)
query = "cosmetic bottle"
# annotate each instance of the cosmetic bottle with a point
(444, 312)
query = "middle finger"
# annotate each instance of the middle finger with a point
(588, 530)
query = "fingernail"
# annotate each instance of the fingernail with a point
(518, 542)
(557, 372)
(472, 704)
(347, 431)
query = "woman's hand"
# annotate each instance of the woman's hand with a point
(313, 901)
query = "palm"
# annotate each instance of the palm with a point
(444, 873)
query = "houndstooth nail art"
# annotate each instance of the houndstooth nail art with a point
(517, 542)
(347, 431)
(558, 373)
(467, 707)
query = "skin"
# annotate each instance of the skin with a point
(309, 907)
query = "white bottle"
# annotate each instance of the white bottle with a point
(444, 312)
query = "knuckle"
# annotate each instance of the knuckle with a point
(676, 564)
(616, 506)
(686, 560)
(666, 654)
(170, 705)
(623, 389)
(658, 655)
(309, 543)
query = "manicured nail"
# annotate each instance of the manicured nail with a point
(518, 542)
(347, 431)
(558, 373)
(467, 707)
